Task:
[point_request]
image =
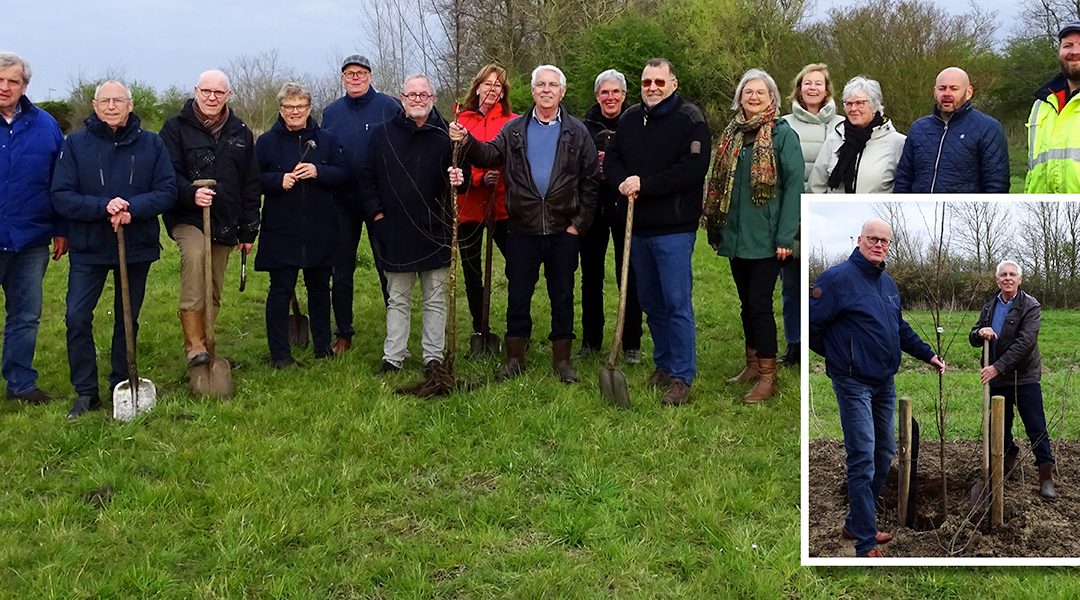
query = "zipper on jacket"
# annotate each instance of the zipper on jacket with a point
(131, 176)
(941, 144)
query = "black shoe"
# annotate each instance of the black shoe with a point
(387, 367)
(83, 404)
(34, 396)
(202, 358)
(790, 357)
(283, 363)
(585, 352)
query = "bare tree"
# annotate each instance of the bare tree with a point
(983, 232)
(256, 79)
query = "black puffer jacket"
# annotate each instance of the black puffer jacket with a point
(1015, 351)
(230, 159)
(571, 196)
(299, 226)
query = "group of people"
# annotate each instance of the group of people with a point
(856, 321)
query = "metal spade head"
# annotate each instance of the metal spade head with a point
(481, 344)
(212, 379)
(129, 401)
(613, 386)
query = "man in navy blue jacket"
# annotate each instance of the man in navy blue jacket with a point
(110, 174)
(955, 150)
(27, 222)
(352, 119)
(857, 325)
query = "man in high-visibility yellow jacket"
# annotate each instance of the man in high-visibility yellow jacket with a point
(1054, 124)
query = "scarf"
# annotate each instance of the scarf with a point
(213, 125)
(847, 157)
(762, 167)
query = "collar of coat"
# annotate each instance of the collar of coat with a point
(957, 114)
(823, 116)
(1058, 87)
(865, 266)
(123, 135)
(596, 115)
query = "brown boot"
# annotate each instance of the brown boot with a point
(677, 394)
(765, 387)
(1010, 465)
(515, 358)
(1046, 481)
(560, 361)
(750, 371)
(194, 325)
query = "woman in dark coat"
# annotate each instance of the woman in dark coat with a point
(300, 166)
(752, 215)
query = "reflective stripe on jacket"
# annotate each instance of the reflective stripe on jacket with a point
(1054, 142)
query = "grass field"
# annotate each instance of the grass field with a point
(323, 483)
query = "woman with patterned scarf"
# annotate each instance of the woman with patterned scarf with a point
(752, 215)
(861, 152)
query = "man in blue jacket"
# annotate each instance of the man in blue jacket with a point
(27, 222)
(110, 174)
(857, 325)
(352, 119)
(955, 150)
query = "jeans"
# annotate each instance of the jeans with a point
(755, 280)
(593, 258)
(1029, 403)
(352, 226)
(278, 299)
(866, 416)
(665, 285)
(21, 274)
(399, 311)
(558, 253)
(85, 283)
(791, 292)
(472, 246)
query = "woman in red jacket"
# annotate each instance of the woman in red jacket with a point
(486, 110)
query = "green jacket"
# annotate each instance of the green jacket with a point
(757, 231)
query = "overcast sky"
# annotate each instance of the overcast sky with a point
(169, 43)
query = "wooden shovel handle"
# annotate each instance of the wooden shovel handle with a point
(208, 280)
(620, 321)
(125, 299)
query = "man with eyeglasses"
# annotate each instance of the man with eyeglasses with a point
(550, 164)
(352, 120)
(109, 174)
(857, 325)
(31, 141)
(955, 150)
(658, 160)
(208, 141)
(1009, 321)
(407, 198)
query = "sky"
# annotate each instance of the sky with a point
(165, 43)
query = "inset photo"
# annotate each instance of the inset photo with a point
(938, 426)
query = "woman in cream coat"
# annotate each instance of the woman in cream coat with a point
(813, 111)
(861, 152)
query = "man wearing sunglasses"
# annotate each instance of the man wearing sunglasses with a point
(659, 158)
(857, 325)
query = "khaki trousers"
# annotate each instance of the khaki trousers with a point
(189, 239)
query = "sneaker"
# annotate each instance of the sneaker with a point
(387, 367)
(83, 404)
(585, 352)
(677, 394)
(34, 396)
(632, 357)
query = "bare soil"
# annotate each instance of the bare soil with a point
(1033, 526)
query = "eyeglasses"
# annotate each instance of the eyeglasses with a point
(873, 240)
(355, 74)
(660, 83)
(295, 107)
(112, 101)
(205, 93)
(610, 93)
(1008, 274)
(547, 84)
(421, 96)
(855, 103)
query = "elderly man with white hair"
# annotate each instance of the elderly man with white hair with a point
(861, 152)
(208, 141)
(550, 165)
(1009, 321)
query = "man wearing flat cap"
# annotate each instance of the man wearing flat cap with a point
(1054, 124)
(352, 118)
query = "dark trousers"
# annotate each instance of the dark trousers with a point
(352, 226)
(1028, 401)
(85, 283)
(755, 280)
(558, 253)
(472, 247)
(282, 287)
(791, 293)
(593, 256)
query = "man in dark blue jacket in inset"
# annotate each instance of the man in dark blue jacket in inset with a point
(955, 150)
(30, 141)
(856, 324)
(108, 175)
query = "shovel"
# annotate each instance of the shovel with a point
(486, 342)
(215, 377)
(979, 492)
(298, 325)
(135, 395)
(612, 381)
